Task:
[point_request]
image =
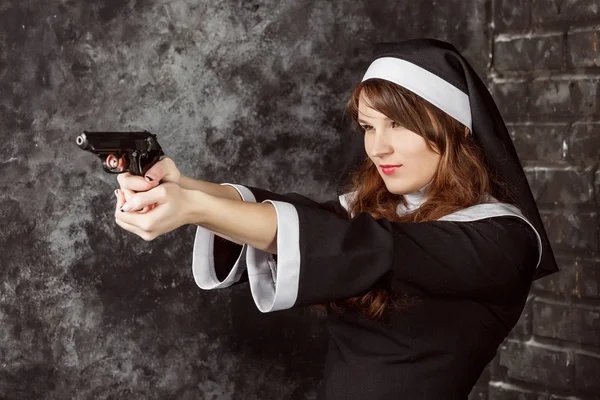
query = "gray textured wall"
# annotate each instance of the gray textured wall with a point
(238, 91)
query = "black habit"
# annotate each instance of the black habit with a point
(469, 272)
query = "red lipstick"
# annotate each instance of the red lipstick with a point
(389, 169)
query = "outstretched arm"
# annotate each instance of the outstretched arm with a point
(252, 223)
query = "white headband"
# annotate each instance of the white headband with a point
(429, 86)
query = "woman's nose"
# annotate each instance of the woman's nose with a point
(380, 146)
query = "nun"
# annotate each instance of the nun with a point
(423, 262)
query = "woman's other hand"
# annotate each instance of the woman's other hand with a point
(163, 171)
(170, 210)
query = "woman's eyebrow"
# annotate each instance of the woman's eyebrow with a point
(360, 121)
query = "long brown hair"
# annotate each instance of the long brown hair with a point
(461, 180)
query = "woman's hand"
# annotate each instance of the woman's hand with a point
(172, 207)
(163, 171)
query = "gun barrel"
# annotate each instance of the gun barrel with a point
(82, 141)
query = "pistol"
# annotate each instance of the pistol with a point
(133, 152)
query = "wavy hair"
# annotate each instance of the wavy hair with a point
(461, 180)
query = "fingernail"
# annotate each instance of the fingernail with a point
(149, 178)
(126, 207)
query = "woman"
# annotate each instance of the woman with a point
(424, 264)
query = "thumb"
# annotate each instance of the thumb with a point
(156, 173)
(165, 170)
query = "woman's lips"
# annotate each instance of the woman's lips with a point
(389, 169)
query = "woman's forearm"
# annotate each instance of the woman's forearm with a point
(214, 189)
(241, 222)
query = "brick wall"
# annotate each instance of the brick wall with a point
(545, 75)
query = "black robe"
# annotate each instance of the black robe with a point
(469, 273)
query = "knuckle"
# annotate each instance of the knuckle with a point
(122, 178)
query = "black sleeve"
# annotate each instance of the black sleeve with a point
(332, 206)
(488, 259)
(225, 255)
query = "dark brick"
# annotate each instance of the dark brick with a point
(480, 390)
(584, 143)
(478, 393)
(511, 15)
(566, 322)
(564, 97)
(523, 327)
(512, 98)
(578, 278)
(533, 363)
(497, 371)
(584, 48)
(544, 11)
(529, 53)
(569, 230)
(506, 391)
(561, 185)
(587, 372)
(539, 141)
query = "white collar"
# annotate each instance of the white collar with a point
(414, 200)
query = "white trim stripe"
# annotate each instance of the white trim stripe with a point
(275, 286)
(429, 86)
(203, 262)
(245, 193)
(203, 259)
(488, 210)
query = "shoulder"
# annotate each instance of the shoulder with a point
(503, 223)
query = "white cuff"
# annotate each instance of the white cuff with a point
(203, 260)
(274, 286)
(244, 192)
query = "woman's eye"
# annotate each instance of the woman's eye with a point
(395, 124)
(367, 127)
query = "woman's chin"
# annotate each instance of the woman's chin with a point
(394, 189)
(399, 189)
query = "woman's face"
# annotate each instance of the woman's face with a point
(389, 144)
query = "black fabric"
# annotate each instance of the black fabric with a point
(469, 282)
(226, 254)
(340, 258)
(489, 129)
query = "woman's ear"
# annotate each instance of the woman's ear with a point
(466, 131)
